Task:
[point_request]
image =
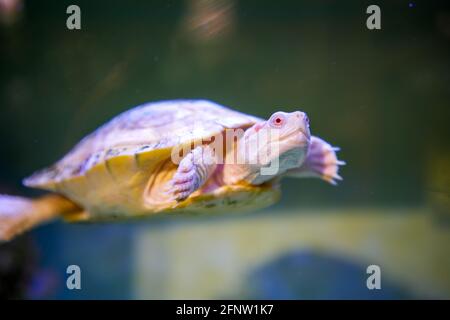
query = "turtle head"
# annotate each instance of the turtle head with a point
(272, 147)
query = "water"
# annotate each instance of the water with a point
(382, 96)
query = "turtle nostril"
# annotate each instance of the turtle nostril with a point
(306, 119)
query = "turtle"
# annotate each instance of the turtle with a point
(173, 156)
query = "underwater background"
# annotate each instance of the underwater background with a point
(383, 96)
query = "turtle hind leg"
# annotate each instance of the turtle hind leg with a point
(18, 214)
(321, 162)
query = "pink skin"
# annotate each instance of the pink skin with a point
(321, 162)
(300, 155)
(185, 181)
(279, 144)
(191, 174)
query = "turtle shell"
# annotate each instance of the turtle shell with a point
(108, 170)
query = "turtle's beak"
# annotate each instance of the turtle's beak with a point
(302, 121)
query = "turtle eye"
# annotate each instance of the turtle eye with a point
(277, 120)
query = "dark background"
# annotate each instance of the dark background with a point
(381, 95)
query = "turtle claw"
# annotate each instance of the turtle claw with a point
(334, 179)
(321, 162)
(180, 190)
(191, 174)
(327, 163)
(329, 166)
(184, 182)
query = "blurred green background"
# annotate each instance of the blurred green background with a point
(381, 95)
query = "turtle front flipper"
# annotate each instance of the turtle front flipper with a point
(18, 214)
(192, 173)
(321, 162)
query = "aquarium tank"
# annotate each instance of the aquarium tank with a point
(373, 79)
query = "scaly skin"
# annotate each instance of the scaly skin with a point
(281, 141)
